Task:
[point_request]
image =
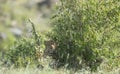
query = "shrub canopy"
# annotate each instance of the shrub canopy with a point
(86, 30)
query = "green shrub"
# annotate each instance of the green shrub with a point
(86, 30)
(26, 50)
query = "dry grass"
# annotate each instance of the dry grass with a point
(52, 71)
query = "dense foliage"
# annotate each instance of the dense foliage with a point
(85, 34)
(86, 31)
(26, 51)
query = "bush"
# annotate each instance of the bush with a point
(27, 50)
(86, 30)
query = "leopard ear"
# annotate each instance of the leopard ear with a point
(53, 46)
